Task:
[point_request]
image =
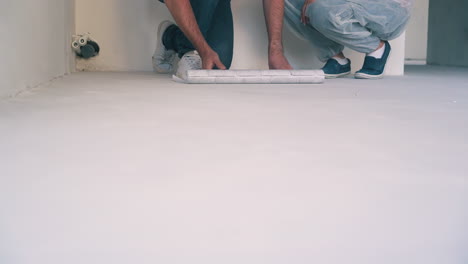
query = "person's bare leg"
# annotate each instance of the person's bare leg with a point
(340, 55)
(381, 45)
(378, 53)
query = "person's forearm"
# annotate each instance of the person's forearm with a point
(183, 14)
(274, 13)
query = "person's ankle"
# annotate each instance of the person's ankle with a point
(340, 55)
(341, 58)
(381, 44)
(378, 53)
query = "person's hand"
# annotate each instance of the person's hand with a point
(277, 61)
(304, 18)
(210, 60)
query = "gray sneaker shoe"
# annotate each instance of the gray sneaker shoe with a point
(163, 59)
(190, 61)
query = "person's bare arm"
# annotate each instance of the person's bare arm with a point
(274, 14)
(183, 14)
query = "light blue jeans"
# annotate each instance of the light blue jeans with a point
(357, 24)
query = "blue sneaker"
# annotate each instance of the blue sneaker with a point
(374, 68)
(333, 69)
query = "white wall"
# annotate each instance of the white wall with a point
(126, 32)
(34, 42)
(416, 34)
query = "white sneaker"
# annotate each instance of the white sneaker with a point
(163, 59)
(190, 61)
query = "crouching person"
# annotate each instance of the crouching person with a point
(365, 26)
(202, 38)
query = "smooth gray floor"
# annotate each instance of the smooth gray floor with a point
(133, 168)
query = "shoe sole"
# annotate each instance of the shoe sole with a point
(334, 76)
(160, 46)
(360, 75)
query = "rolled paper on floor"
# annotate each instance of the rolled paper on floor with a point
(253, 76)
